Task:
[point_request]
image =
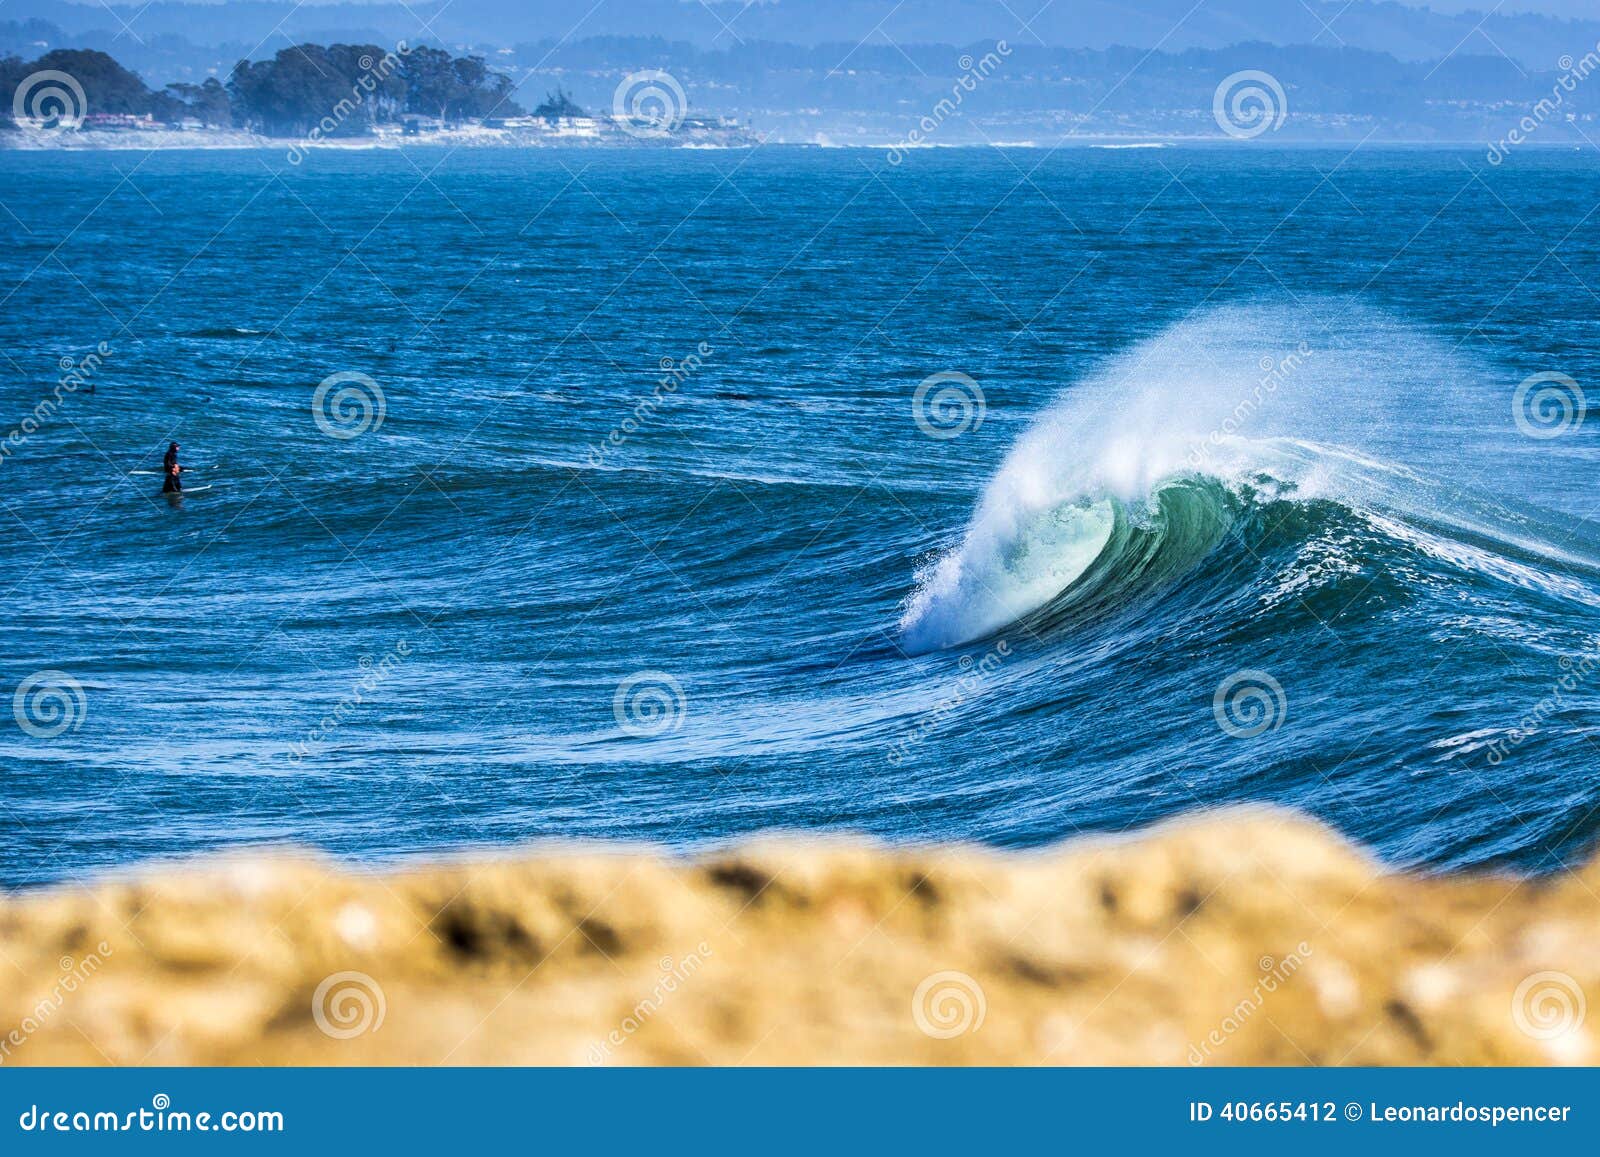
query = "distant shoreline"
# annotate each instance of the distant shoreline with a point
(473, 136)
(177, 140)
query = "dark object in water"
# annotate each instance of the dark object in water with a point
(173, 482)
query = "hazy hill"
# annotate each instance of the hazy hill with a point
(1406, 31)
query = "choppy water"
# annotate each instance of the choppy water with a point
(1244, 513)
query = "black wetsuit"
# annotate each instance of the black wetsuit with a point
(174, 473)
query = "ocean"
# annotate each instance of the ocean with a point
(994, 497)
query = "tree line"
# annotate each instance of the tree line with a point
(333, 90)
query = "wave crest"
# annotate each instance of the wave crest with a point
(1141, 468)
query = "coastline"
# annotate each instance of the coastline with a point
(182, 141)
(1242, 937)
(146, 140)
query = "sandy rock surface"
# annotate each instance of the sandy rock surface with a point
(1240, 938)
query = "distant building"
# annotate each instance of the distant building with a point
(115, 121)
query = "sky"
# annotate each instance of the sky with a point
(1588, 9)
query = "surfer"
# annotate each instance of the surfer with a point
(174, 472)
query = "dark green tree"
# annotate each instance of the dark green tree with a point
(558, 104)
(339, 90)
(456, 88)
(107, 86)
(207, 103)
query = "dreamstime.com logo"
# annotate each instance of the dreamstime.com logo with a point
(649, 703)
(1573, 74)
(348, 404)
(49, 703)
(76, 374)
(74, 975)
(975, 673)
(348, 1004)
(949, 1004)
(1274, 975)
(948, 404)
(1276, 372)
(49, 100)
(1548, 1005)
(973, 74)
(649, 104)
(1249, 103)
(673, 975)
(373, 75)
(374, 674)
(1548, 405)
(1249, 703)
(160, 1117)
(673, 374)
(1575, 672)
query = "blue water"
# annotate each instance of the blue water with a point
(1110, 598)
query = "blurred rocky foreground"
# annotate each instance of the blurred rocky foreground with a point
(1240, 938)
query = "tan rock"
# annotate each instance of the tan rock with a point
(1240, 937)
